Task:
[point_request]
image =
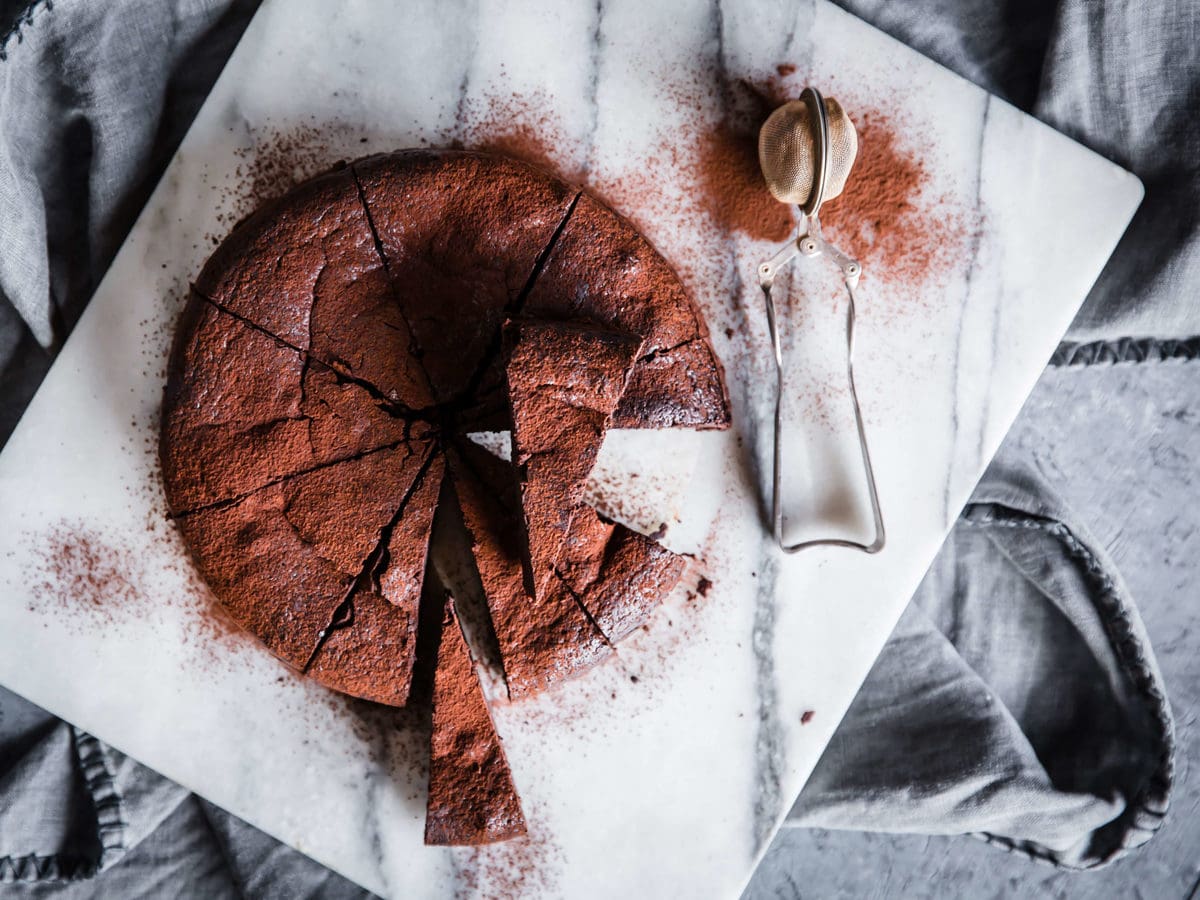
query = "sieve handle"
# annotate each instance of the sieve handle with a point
(812, 244)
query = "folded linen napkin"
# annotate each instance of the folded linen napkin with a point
(1018, 698)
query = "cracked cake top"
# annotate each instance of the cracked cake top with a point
(336, 351)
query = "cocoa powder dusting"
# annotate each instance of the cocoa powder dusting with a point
(520, 867)
(521, 126)
(885, 214)
(279, 160)
(81, 570)
(736, 199)
(88, 579)
(734, 188)
(522, 141)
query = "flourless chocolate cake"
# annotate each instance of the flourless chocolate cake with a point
(559, 416)
(336, 351)
(471, 795)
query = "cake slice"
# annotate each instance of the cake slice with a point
(281, 564)
(619, 575)
(564, 381)
(472, 799)
(370, 650)
(601, 270)
(543, 640)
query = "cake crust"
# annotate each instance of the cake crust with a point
(619, 575)
(242, 409)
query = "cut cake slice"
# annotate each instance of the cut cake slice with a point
(371, 652)
(543, 640)
(564, 381)
(472, 799)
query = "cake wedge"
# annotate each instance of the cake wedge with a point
(472, 799)
(565, 379)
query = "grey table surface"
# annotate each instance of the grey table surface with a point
(1122, 444)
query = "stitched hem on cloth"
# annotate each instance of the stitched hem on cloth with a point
(1126, 350)
(1149, 806)
(22, 19)
(110, 825)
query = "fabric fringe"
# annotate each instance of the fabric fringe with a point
(1126, 350)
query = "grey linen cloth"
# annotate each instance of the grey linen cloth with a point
(1018, 698)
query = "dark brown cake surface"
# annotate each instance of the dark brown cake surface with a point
(560, 414)
(543, 640)
(472, 799)
(370, 493)
(400, 569)
(370, 650)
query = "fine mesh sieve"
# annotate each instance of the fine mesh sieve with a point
(806, 149)
(787, 151)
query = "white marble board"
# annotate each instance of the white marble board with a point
(665, 773)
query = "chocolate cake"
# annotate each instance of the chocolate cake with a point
(542, 640)
(471, 795)
(335, 352)
(559, 416)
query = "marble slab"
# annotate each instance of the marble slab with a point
(666, 772)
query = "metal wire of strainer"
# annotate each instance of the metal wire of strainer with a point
(806, 150)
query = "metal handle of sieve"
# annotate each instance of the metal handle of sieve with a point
(811, 244)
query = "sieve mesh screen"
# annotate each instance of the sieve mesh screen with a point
(787, 151)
